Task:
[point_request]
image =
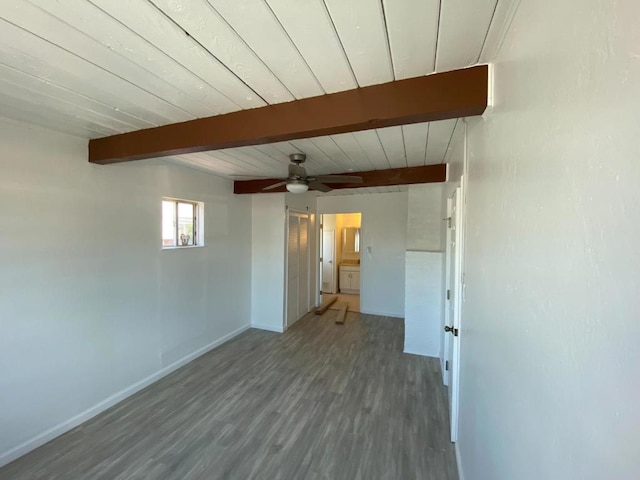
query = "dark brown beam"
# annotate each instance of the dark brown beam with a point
(372, 178)
(455, 94)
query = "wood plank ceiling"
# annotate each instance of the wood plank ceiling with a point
(93, 68)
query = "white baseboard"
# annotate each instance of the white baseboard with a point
(65, 426)
(422, 354)
(269, 328)
(382, 314)
(459, 462)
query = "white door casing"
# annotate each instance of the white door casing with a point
(454, 304)
(446, 320)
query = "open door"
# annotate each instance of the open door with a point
(328, 259)
(454, 305)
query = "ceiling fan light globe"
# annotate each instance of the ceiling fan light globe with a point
(297, 186)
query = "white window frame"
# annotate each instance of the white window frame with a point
(198, 223)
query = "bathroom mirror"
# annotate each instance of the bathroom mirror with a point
(351, 240)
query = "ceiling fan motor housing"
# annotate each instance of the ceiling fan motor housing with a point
(297, 157)
(299, 182)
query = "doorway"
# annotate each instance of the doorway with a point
(340, 259)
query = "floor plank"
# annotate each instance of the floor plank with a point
(342, 312)
(320, 310)
(322, 401)
(352, 300)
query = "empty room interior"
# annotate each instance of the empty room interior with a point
(320, 239)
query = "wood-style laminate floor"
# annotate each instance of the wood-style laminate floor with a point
(322, 401)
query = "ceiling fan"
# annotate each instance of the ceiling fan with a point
(299, 182)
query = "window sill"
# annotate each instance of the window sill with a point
(186, 247)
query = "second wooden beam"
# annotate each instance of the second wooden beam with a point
(325, 307)
(342, 312)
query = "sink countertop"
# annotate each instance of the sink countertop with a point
(350, 263)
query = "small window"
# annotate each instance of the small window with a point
(181, 223)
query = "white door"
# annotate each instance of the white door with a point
(304, 276)
(446, 340)
(292, 269)
(454, 304)
(298, 268)
(328, 249)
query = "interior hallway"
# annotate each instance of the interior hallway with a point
(321, 401)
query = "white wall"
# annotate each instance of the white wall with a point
(424, 218)
(267, 261)
(423, 270)
(301, 202)
(383, 243)
(550, 332)
(91, 308)
(423, 312)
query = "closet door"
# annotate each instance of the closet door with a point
(303, 266)
(298, 266)
(293, 269)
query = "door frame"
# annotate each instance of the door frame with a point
(455, 280)
(318, 233)
(297, 213)
(336, 267)
(446, 354)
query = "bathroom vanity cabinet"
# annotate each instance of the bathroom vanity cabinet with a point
(350, 279)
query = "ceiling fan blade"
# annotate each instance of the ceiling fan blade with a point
(297, 171)
(338, 179)
(275, 185)
(321, 187)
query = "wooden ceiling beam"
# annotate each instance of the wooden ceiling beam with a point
(372, 178)
(440, 96)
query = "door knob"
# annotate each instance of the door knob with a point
(449, 329)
